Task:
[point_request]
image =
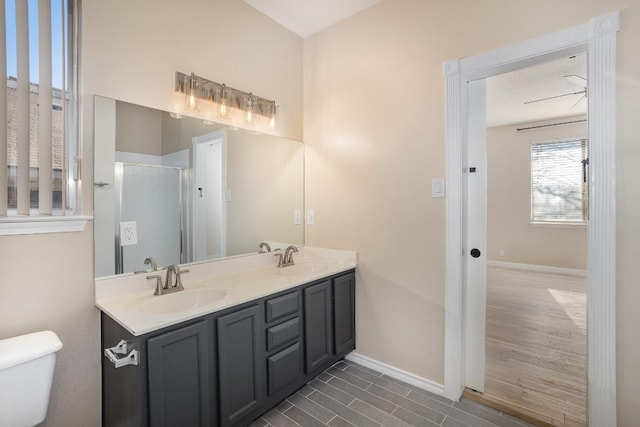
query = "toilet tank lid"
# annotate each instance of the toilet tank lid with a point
(24, 348)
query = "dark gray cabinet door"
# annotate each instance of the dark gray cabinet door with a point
(179, 377)
(317, 325)
(344, 299)
(283, 368)
(240, 370)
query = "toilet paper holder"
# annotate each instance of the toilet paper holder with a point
(122, 348)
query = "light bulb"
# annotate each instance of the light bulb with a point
(250, 109)
(272, 122)
(192, 97)
(223, 110)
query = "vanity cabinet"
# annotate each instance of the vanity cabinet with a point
(317, 325)
(329, 311)
(344, 313)
(229, 367)
(239, 364)
(179, 377)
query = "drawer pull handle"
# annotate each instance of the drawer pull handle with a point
(129, 358)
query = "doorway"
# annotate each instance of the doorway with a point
(597, 38)
(209, 195)
(535, 256)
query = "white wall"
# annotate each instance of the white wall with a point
(374, 133)
(509, 200)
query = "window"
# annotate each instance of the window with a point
(559, 181)
(40, 105)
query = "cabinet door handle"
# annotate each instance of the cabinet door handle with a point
(112, 353)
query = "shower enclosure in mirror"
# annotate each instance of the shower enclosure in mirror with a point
(188, 190)
(142, 192)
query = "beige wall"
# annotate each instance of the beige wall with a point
(130, 51)
(138, 129)
(509, 201)
(374, 134)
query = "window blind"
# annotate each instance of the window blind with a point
(558, 181)
(34, 104)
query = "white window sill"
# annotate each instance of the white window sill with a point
(16, 225)
(558, 224)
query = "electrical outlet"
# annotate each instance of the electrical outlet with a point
(297, 217)
(311, 217)
(128, 233)
(501, 252)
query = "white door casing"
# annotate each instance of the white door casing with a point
(598, 39)
(475, 268)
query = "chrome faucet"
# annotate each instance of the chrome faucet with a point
(264, 247)
(286, 260)
(171, 284)
(152, 262)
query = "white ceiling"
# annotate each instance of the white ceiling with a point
(507, 93)
(306, 17)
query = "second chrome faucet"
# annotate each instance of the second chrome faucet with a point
(286, 260)
(173, 281)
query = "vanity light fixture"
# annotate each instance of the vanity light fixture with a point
(226, 98)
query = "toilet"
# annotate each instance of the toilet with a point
(26, 373)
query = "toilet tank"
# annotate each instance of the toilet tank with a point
(26, 373)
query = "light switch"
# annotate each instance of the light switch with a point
(297, 217)
(311, 217)
(437, 187)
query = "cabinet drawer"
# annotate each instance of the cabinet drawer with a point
(283, 333)
(282, 306)
(284, 368)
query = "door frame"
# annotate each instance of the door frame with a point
(220, 137)
(598, 39)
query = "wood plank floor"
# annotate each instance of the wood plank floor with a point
(536, 345)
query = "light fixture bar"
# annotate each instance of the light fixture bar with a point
(211, 91)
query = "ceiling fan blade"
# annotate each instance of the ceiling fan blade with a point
(576, 80)
(554, 97)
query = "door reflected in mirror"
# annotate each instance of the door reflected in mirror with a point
(181, 190)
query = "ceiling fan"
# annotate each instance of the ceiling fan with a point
(576, 80)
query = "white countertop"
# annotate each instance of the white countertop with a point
(129, 299)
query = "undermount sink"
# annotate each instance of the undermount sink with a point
(181, 301)
(308, 268)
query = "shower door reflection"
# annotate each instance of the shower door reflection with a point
(150, 200)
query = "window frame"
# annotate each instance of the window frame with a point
(71, 220)
(584, 187)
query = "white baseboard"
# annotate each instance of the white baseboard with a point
(540, 268)
(398, 374)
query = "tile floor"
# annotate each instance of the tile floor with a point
(348, 394)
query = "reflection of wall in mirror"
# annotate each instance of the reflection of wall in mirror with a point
(263, 197)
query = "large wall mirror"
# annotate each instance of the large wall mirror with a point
(179, 189)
